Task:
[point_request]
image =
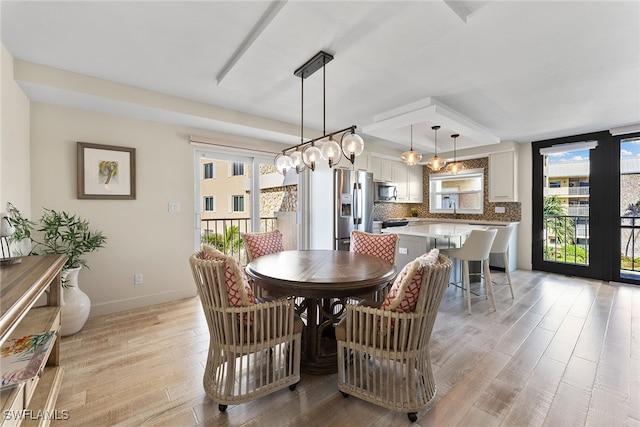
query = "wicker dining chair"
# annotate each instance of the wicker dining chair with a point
(254, 346)
(260, 244)
(383, 352)
(384, 246)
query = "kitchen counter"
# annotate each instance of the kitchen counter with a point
(462, 221)
(437, 230)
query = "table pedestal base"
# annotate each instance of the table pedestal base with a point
(319, 347)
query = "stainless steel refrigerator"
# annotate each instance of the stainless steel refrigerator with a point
(353, 204)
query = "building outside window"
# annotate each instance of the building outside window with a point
(238, 169)
(209, 170)
(237, 203)
(209, 203)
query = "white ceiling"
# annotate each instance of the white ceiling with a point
(515, 70)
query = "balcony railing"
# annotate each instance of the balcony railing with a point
(577, 211)
(567, 191)
(630, 246)
(567, 241)
(224, 233)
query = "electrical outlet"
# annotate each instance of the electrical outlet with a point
(174, 207)
(402, 251)
(137, 279)
(500, 209)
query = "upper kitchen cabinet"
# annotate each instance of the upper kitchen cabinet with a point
(414, 184)
(362, 163)
(400, 179)
(382, 169)
(503, 178)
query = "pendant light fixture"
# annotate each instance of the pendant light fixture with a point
(436, 163)
(306, 154)
(456, 166)
(411, 157)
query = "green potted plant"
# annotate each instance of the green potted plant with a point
(59, 232)
(21, 237)
(414, 212)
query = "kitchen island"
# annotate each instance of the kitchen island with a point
(409, 234)
(415, 240)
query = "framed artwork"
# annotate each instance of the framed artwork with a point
(106, 172)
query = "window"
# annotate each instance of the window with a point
(209, 170)
(554, 184)
(237, 203)
(237, 169)
(209, 203)
(461, 193)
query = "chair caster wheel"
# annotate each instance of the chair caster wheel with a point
(344, 394)
(413, 417)
(292, 387)
(222, 407)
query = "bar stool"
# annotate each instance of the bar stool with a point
(477, 247)
(501, 246)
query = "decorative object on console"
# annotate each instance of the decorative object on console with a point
(6, 231)
(456, 166)
(306, 154)
(22, 358)
(436, 163)
(411, 157)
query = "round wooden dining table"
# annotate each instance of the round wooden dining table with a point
(323, 280)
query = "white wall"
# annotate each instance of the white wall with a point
(15, 182)
(143, 237)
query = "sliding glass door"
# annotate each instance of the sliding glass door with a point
(237, 194)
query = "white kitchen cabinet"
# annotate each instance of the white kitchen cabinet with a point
(382, 169)
(362, 162)
(414, 183)
(503, 182)
(400, 179)
(376, 168)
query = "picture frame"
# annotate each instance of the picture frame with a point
(106, 171)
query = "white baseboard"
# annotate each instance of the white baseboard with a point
(132, 303)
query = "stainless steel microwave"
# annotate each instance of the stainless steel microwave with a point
(385, 192)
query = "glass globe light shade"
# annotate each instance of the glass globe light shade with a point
(436, 163)
(352, 145)
(410, 157)
(455, 167)
(331, 151)
(311, 155)
(283, 163)
(296, 159)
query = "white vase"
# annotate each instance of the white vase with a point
(75, 303)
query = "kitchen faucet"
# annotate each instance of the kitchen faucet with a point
(453, 203)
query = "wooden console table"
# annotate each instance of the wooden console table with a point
(21, 286)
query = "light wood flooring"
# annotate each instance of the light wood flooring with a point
(565, 352)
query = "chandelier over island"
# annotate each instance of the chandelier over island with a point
(306, 154)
